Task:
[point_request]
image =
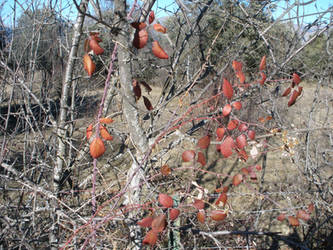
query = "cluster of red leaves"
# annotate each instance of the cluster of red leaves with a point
(303, 214)
(295, 89)
(91, 44)
(97, 147)
(141, 36)
(249, 172)
(137, 92)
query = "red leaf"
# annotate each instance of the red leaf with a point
(201, 216)
(89, 131)
(241, 77)
(145, 222)
(226, 110)
(258, 167)
(158, 51)
(243, 155)
(204, 142)
(136, 89)
(299, 92)
(165, 170)
(97, 148)
(293, 98)
(151, 17)
(140, 38)
(237, 66)
(93, 44)
(159, 28)
(105, 134)
(301, 214)
(242, 127)
(150, 238)
(311, 207)
(237, 105)
(201, 159)
(188, 155)
(281, 217)
(262, 65)
(286, 92)
(95, 36)
(158, 223)
(245, 171)
(232, 124)
(222, 198)
(237, 179)
(138, 25)
(227, 89)
(88, 64)
(241, 141)
(251, 134)
(199, 204)
(293, 221)
(106, 120)
(263, 78)
(147, 87)
(218, 215)
(165, 200)
(296, 79)
(173, 213)
(220, 133)
(226, 147)
(147, 103)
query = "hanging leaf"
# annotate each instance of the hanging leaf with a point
(293, 221)
(145, 222)
(241, 77)
(201, 159)
(88, 64)
(97, 148)
(222, 198)
(226, 110)
(173, 213)
(242, 127)
(281, 217)
(140, 38)
(296, 79)
(287, 92)
(150, 238)
(147, 103)
(105, 134)
(293, 98)
(151, 17)
(303, 215)
(106, 120)
(147, 87)
(220, 133)
(237, 179)
(218, 215)
(201, 216)
(138, 25)
(136, 89)
(262, 65)
(89, 131)
(158, 51)
(237, 66)
(165, 200)
(93, 44)
(188, 155)
(226, 147)
(237, 105)
(165, 170)
(159, 28)
(158, 223)
(251, 134)
(204, 142)
(263, 78)
(232, 124)
(241, 141)
(299, 91)
(227, 89)
(199, 204)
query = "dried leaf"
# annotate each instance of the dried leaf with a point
(293, 221)
(89, 131)
(201, 159)
(165, 170)
(303, 215)
(226, 147)
(140, 38)
(138, 25)
(241, 141)
(218, 215)
(237, 179)
(201, 216)
(293, 98)
(136, 89)
(97, 148)
(199, 204)
(147, 87)
(158, 223)
(263, 78)
(237, 105)
(262, 65)
(222, 198)
(93, 44)
(173, 213)
(158, 51)
(105, 134)
(159, 28)
(147, 103)
(188, 155)
(287, 91)
(204, 142)
(145, 222)
(165, 200)
(151, 17)
(150, 238)
(106, 120)
(226, 110)
(227, 89)
(220, 133)
(232, 124)
(88, 64)
(296, 79)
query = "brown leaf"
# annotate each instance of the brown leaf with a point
(293, 221)
(136, 89)
(262, 65)
(140, 38)
(286, 92)
(165, 170)
(226, 110)
(227, 89)
(150, 238)
(218, 215)
(151, 17)
(97, 148)
(188, 155)
(201, 159)
(204, 142)
(106, 120)
(159, 28)
(145, 222)
(226, 146)
(158, 224)
(165, 200)
(158, 51)
(93, 44)
(147, 87)
(147, 103)
(86, 47)
(293, 98)
(173, 213)
(138, 25)
(237, 179)
(201, 216)
(88, 64)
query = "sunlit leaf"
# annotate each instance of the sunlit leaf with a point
(222, 199)
(258, 167)
(242, 127)
(93, 44)
(227, 89)
(241, 77)
(88, 64)
(263, 78)
(97, 148)
(159, 28)
(237, 105)
(151, 17)
(106, 120)
(105, 134)
(204, 142)
(226, 109)
(293, 221)
(158, 51)
(188, 155)
(140, 38)
(262, 65)
(243, 155)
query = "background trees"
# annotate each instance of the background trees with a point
(164, 161)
